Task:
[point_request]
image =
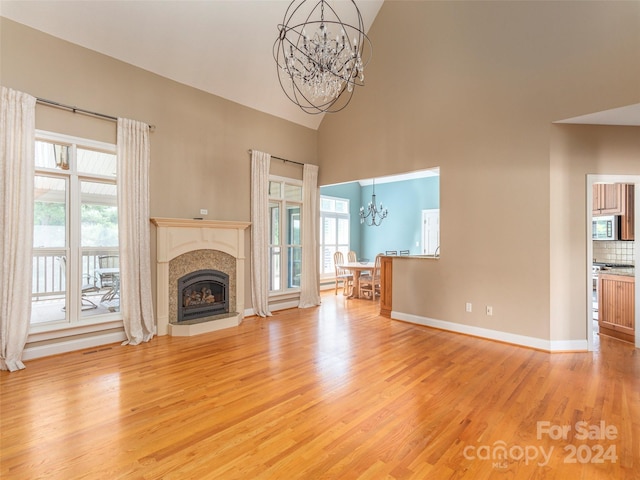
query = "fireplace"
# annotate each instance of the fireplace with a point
(203, 293)
(185, 247)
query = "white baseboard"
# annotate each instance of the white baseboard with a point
(285, 305)
(65, 345)
(249, 312)
(522, 340)
(569, 345)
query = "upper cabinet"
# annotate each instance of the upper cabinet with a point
(607, 199)
(616, 199)
(627, 220)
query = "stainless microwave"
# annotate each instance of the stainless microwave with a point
(605, 228)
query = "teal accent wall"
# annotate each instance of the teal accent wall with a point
(405, 201)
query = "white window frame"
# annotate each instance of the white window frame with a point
(322, 241)
(283, 222)
(73, 323)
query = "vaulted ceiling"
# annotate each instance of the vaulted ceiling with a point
(223, 47)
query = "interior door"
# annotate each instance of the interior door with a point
(430, 231)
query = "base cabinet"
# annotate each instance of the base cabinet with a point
(616, 306)
(386, 275)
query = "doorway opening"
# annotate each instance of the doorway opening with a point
(619, 259)
(431, 232)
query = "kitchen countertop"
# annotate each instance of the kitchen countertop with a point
(626, 272)
(432, 257)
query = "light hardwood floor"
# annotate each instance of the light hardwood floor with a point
(322, 393)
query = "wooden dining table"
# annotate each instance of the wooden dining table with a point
(357, 268)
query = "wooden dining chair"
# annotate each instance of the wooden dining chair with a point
(351, 256)
(342, 275)
(370, 284)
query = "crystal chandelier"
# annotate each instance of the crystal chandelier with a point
(372, 215)
(320, 57)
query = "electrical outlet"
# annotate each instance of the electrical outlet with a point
(468, 307)
(204, 211)
(489, 310)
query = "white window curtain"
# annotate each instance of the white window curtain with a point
(260, 162)
(17, 138)
(310, 282)
(136, 303)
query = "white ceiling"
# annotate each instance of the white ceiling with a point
(629, 115)
(223, 47)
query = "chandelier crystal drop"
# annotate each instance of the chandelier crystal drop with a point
(373, 215)
(321, 58)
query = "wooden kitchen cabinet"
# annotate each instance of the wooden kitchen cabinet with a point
(627, 221)
(616, 199)
(386, 284)
(608, 199)
(616, 306)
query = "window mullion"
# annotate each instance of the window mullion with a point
(284, 250)
(67, 249)
(75, 255)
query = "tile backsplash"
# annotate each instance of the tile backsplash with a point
(614, 252)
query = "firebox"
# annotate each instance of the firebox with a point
(202, 294)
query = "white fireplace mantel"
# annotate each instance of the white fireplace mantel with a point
(176, 236)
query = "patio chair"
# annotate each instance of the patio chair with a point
(89, 285)
(109, 279)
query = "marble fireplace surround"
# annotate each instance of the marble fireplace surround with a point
(179, 236)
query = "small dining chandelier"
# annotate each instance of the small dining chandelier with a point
(372, 215)
(320, 58)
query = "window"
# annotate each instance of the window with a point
(334, 232)
(285, 245)
(75, 229)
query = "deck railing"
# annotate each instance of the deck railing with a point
(49, 270)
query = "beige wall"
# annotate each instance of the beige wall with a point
(577, 151)
(473, 87)
(199, 146)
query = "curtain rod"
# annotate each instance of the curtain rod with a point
(51, 103)
(283, 159)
